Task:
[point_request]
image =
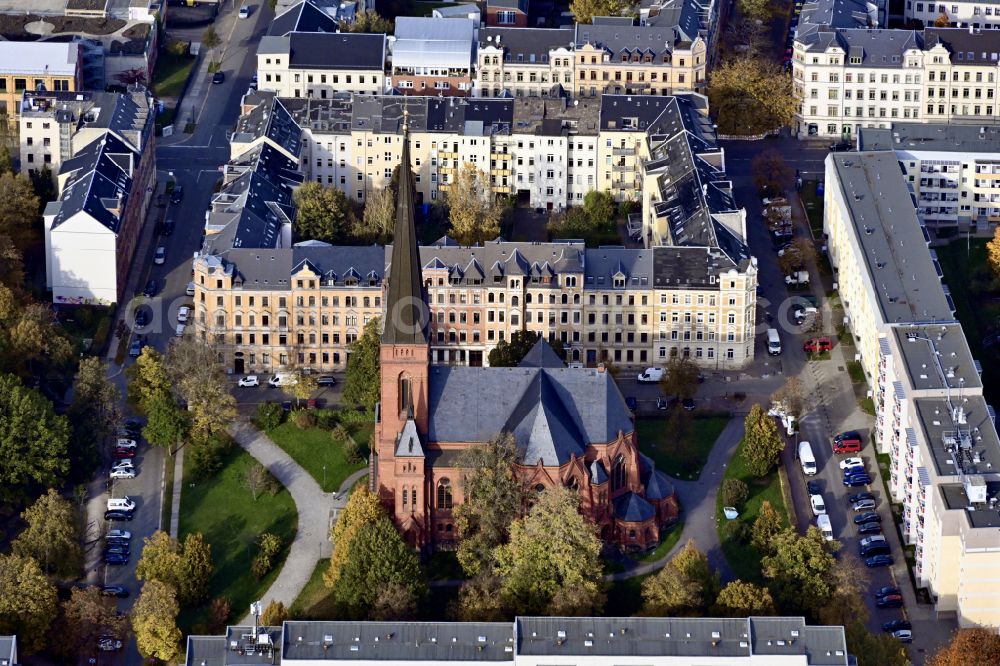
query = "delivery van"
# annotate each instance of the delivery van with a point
(773, 342)
(806, 459)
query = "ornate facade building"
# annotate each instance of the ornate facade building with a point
(571, 424)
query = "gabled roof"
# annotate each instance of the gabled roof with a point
(541, 356)
(100, 181)
(544, 430)
(303, 17)
(632, 508)
(597, 473)
(408, 443)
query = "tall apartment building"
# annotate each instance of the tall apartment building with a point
(434, 56)
(953, 171)
(54, 66)
(525, 62)
(853, 78)
(693, 295)
(931, 417)
(53, 126)
(530, 641)
(613, 56)
(973, 14)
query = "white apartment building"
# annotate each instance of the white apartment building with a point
(525, 62)
(318, 65)
(962, 75)
(931, 417)
(531, 641)
(960, 13)
(953, 171)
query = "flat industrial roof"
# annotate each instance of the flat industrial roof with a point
(938, 137)
(39, 58)
(970, 434)
(937, 356)
(955, 498)
(896, 256)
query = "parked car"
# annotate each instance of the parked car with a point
(889, 601)
(813, 487)
(863, 505)
(116, 559)
(886, 591)
(116, 549)
(160, 256)
(123, 534)
(662, 403)
(109, 644)
(168, 228)
(244, 12)
(141, 317)
(857, 480)
(183, 312)
(325, 380)
(190, 289)
(219, 77)
(118, 516)
(631, 403)
(817, 345)
(119, 591)
(177, 194)
(896, 625)
(179, 330)
(117, 541)
(857, 497)
(847, 442)
(818, 507)
(870, 528)
(688, 404)
(150, 289)
(851, 462)
(903, 635)
(126, 443)
(867, 517)
(122, 473)
(650, 376)
(122, 454)
(135, 347)
(878, 561)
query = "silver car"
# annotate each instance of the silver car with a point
(864, 505)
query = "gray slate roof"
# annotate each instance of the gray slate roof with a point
(875, 47)
(980, 47)
(541, 356)
(270, 119)
(520, 44)
(303, 17)
(344, 50)
(621, 41)
(553, 413)
(924, 137)
(632, 508)
(101, 182)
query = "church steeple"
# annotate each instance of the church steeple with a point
(405, 308)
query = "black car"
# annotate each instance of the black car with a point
(117, 541)
(813, 487)
(168, 228)
(850, 435)
(889, 602)
(896, 625)
(688, 404)
(135, 347)
(879, 561)
(177, 195)
(219, 77)
(117, 550)
(119, 591)
(857, 497)
(114, 558)
(141, 317)
(867, 517)
(631, 403)
(118, 515)
(325, 380)
(886, 591)
(869, 528)
(150, 289)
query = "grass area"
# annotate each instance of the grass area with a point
(172, 72)
(856, 371)
(224, 511)
(743, 558)
(813, 204)
(976, 293)
(670, 540)
(88, 326)
(867, 405)
(319, 454)
(165, 118)
(680, 459)
(315, 602)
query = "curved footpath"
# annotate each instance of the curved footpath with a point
(314, 507)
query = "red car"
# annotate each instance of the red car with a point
(123, 453)
(847, 442)
(817, 345)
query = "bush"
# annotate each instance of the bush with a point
(737, 531)
(270, 546)
(351, 451)
(734, 493)
(325, 418)
(177, 47)
(304, 419)
(356, 416)
(269, 416)
(274, 615)
(218, 615)
(208, 455)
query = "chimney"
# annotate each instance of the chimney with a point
(600, 367)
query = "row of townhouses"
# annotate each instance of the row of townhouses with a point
(931, 416)
(303, 55)
(101, 150)
(530, 641)
(269, 304)
(854, 78)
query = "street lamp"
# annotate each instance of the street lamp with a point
(324, 476)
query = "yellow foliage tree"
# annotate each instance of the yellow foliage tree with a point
(751, 95)
(363, 508)
(993, 250)
(472, 206)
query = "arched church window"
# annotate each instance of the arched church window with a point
(405, 397)
(406, 496)
(444, 494)
(618, 473)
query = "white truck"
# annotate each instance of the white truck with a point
(823, 523)
(773, 342)
(798, 278)
(650, 376)
(806, 459)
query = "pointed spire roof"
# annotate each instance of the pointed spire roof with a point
(406, 310)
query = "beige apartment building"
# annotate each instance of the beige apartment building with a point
(525, 62)
(34, 66)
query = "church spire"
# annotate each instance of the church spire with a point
(405, 308)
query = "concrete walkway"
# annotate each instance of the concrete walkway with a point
(175, 497)
(316, 510)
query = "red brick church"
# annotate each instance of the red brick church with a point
(571, 424)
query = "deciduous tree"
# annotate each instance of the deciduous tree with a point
(751, 95)
(28, 602)
(508, 354)
(761, 442)
(322, 213)
(849, 581)
(270, 545)
(95, 398)
(790, 397)
(799, 568)
(479, 600)
(210, 38)
(363, 508)
(680, 378)
(52, 536)
(472, 206)
(86, 616)
(740, 599)
(131, 77)
(33, 440)
(993, 251)
(154, 622)
(552, 561)
(584, 11)
(394, 602)
(187, 569)
(942, 21)
(767, 525)
(599, 206)
(494, 497)
(969, 646)
(196, 568)
(379, 217)
(255, 479)
(797, 256)
(880, 649)
(166, 424)
(368, 21)
(19, 209)
(147, 379)
(687, 585)
(36, 340)
(274, 614)
(757, 10)
(362, 385)
(771, 174)
(733, 492)
(198, 378)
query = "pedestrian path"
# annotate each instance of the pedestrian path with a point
(175, 497)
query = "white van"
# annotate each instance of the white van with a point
(650, 376)
(121, 504)
(283, 379)
(823, 523)
(773, 342)
(806, 459)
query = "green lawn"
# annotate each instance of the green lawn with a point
(171, 73)
(684, 459)
(313, 448)
(856, 371)
(315, 602)
(224, 511)
(744, 558)
(813, 204)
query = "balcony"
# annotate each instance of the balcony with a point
(622, 151)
